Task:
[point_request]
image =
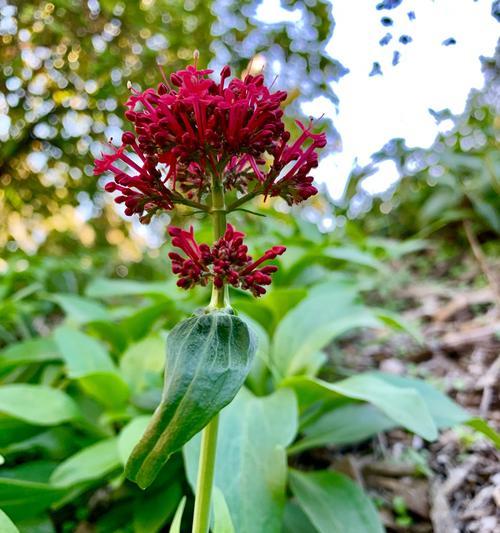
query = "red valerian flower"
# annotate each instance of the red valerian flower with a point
(225, 262)
(289, 176)
(142, 188)
(192, 128)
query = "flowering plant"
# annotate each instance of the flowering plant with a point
(211, 145)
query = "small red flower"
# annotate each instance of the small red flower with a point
(227, 261)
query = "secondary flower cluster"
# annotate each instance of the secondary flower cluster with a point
(225, 262)
(193, 128)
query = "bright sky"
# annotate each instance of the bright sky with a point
(373, 110)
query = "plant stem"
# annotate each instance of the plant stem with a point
(219, 295)
(244, 199)
(206, 466)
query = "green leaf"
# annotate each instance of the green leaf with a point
(440, 202)
(398, 323)
(80, 310)
(91, 463)
(257, 379)
(222, 517)
(444, 411)
(404, 405)
(281, 300)
(37, 404)
(143, 363)
(14, 431)
(23, 499)
(90, 364)
(138, 324)
(6, 524)
(314, 323)
(353, 255)
(36, 524)
(487, 211)
(33, 351)
(54, 443)
(208, 359)
(110, 288)
(176, 522)
(295, 520)
(130, 435)
(81, 353)
(39, 471)
(334, 503)
(251, 458)
(347, 424)
(151, 511)
(108, 388)
(395, 249)
(482, 426)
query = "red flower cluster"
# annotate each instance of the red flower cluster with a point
(193, 128)
(226, 261)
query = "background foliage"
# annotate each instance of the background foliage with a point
(86, 301)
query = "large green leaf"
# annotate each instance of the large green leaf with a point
(347, 424)
(251, 459)
(54, 443)
(38, 350)
(80, 310)
(208, 359)
(151, 511)
(22, 499)
(314, 323)
(138, 324)
(37, 404)
(404, 405)
(130, 435)
(91, 463)
(37, 524)
(295, 520)
(90, 364)
(38, 470)
(143, 362)
(353, 255)
(445, 412)
(110, 288)
(81, 353)
(280, 300)
(6, 524)
(14, 431)
(258, 376)
(334, 503)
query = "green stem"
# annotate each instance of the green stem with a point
(190, 203)
(206, 467)
(219, 295)
(244, 199)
